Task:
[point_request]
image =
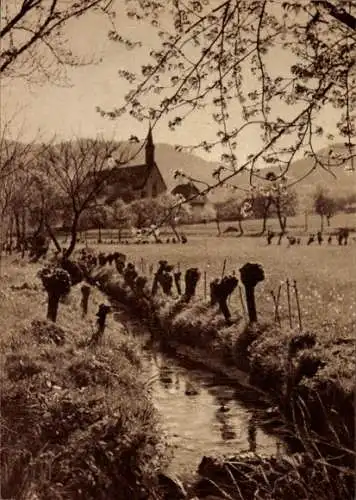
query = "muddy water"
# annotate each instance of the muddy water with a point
(202, 416)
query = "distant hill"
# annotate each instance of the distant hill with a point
(169, 160)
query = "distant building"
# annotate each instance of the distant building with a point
(190, 192)
(133, 181)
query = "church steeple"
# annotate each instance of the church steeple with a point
(150, 148)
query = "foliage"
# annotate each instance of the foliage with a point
(229, 209)
(250, 476)
(95, 216)
(205, 213)
(55, 279)
(165, 209)
(121, 215)
(274, 198)
(324, 204)
(221, 56)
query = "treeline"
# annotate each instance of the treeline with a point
(46, 187)
(271, 204)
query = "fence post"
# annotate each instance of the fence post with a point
(289, 304)
(298, 304)
(223, 269)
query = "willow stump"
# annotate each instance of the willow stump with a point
(57, 283)
(192, 277)
(85, 289)
(220, 291)
(251, 275)
(101, 323)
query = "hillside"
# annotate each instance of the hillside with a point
(169, 160)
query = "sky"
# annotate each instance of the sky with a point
(50, 110)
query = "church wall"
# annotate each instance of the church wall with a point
(154, 185)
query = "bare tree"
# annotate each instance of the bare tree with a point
(219, 56)
(17, 159)
(32, 35)
(79, 171)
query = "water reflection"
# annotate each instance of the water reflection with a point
(166, 376)
(224, 418)
(202, 417)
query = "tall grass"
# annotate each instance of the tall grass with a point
(75, 422)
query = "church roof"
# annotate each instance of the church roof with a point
(187, 190)
(132, 175)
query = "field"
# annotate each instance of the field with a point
(325, 275)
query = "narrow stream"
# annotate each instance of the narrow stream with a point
(200, 414)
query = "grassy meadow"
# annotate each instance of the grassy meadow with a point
(76, 422)
(325, 275)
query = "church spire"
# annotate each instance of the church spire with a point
(150, 148)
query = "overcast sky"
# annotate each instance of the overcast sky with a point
(49, 110)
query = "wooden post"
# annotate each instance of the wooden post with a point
(223, 269)
(298, 304)
(289, 304)
(277, 318)
(205, 291)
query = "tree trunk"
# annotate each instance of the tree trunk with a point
(11, 228)
(17, 230)
(39, 229)
(265, 216)
(321, 223)
(328, 217)
(282, 219)
(264, 224)
(218, 226)
(99, 235)
(23, 233)
(73, 236)
(52, 307)
(175, 231)
(306, 222)
(53, 237)
(251, 303)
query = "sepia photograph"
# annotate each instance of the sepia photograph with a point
(177, 249)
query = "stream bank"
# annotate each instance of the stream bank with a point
(256, 357)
